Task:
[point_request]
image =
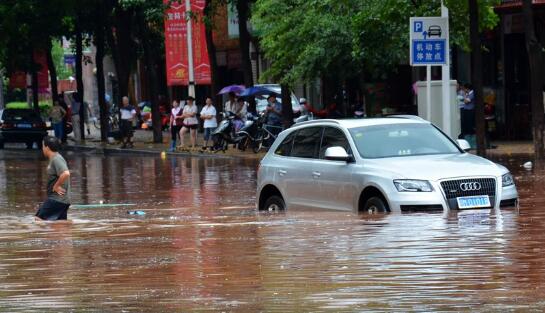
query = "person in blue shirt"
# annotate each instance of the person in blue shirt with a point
(274, 111)
(468, 111)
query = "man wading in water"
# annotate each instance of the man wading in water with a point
(58, 183)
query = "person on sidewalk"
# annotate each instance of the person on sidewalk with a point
(208, 114)
(190, 122)
(274, 112)
(230, 104)
(65, 127)
(128, 114)
(468, 115)
(175, 123)
(57, 115)
(58, 183)
(87, 116)
(75, 105)
(241, 112)
(274, 117)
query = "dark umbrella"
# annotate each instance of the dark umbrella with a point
(257, 91)
(233, 88)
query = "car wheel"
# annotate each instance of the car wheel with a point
(39, 144)
(1, 144)
(274, 203)
(29, 144)
(375, 205)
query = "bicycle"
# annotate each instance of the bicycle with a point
(265, 137)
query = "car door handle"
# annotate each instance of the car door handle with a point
(282, 172)
(316, 174)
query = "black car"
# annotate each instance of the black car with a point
(21, 125)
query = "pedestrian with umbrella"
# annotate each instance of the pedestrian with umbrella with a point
(237, 89)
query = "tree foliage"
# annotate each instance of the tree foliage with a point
(305, 39)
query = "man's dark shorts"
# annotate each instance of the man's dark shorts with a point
(52, 210)
(125, 127)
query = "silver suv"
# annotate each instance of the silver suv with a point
(385, 164)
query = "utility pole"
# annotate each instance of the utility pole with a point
(446, 81)
(191, 85)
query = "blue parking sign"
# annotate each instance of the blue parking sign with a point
(429, 41)
(428, 52)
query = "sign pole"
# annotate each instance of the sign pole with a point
(191, 85)
(447, 127)
(428, 92)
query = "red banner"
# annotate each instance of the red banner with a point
(176, 44)
(201, 62)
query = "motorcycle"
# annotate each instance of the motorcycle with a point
(304, 118)
(224, 134)
(251, 133)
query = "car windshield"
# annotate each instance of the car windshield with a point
(398, 140)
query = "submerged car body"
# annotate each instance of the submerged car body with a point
(386, 164)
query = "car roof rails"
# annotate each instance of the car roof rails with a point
(408, 117)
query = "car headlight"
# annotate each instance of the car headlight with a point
(507, 180)
(410, 185)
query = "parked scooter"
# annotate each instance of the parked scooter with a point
(224, 134)
(303, 118)
(250, 135)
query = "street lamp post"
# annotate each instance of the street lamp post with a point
(446, 81)
(191, 85)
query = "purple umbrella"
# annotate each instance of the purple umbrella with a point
(233, 88)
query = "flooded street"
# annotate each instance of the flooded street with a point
(202, 246)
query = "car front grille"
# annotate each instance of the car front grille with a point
(453, 190)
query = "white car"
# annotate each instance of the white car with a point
(384, 164)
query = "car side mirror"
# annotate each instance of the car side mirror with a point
(337, 154)
(464, 145)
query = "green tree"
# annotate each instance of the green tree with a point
(339, 39)
(147, 31)
(27, 26)
(57, 53)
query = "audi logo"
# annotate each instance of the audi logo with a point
(473, 186)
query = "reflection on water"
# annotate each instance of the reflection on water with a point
(202, 245)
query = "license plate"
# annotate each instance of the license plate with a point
(24, 125)
(473, 202)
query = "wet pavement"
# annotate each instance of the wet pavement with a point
(202, 246)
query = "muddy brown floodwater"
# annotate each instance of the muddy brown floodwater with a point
(202, 246)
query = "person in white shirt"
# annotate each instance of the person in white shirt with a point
(230, 104)
(208, 114)
(190, 122)
(175, 123)
(128, 114)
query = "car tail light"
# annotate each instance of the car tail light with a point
(39, 125)
(7, 125)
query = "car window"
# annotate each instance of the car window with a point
(19, 114)
(307, 143)
(399, 140)
(333, 137)
(284, 149)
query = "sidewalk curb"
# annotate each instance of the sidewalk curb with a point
(132, 151)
